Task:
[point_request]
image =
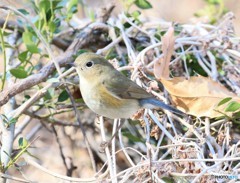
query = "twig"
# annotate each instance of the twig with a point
(69, 170)
(36, 165)
(82, 40)
(109, 158)
(5, 176)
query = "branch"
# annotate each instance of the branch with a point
(90, 34)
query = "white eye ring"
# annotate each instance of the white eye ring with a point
(89, 64)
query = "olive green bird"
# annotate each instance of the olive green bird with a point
(109, 93)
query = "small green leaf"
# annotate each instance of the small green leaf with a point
(44, 6)
(33, 48)
(63, 96)
(143, 4)
(19, 73)
(136, 14)
(22, 142)
(27, 97)
(225, 100)
(49, 94)
(52, 26)
(8, 121)
(71, 8)
(39, 23)
(23, 11)
(232, 107)
(57, 22)
(23, 56)
(12, 120)
(28, 40)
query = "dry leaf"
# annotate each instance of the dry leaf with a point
(161, 67)
(198, 96)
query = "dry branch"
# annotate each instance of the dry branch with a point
(90, 34)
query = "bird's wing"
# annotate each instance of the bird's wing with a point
(122, 87)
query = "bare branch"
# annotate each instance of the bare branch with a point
(90, 34)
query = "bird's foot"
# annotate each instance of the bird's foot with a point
(103, 145)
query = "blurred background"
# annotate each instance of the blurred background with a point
(180, 11)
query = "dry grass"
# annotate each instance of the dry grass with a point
(161, 145)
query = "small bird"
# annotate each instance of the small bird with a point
(109, 93)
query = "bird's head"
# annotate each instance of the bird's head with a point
(91, 65)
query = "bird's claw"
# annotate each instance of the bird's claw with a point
(103, 145)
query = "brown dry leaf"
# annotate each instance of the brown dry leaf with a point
(161, 67)
(198, 96)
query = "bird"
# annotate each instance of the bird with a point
(111, 94)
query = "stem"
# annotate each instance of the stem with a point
(4, 51)
(4, 59)
(11, 162)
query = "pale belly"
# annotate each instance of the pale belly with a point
(109, 106)
(103, 108)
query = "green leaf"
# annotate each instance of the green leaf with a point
(71, 8)
(12, 121)
(52, 26)
(28, 40)
(33, 48)
(23, 11)
(225, 100)
(143, 4)
(19, 73)
(136, 14)
(44, 6)
(8, 121)
(237, 115)
(49, 94)
(39, 23)
(232, 107)
(57, 22)
(63, 96)
(22, 142)
(23, 56)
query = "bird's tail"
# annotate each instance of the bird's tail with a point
(152, 103)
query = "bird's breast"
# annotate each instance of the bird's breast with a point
(102, 102)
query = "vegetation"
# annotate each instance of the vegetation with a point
(46, 126)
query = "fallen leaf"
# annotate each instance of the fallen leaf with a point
(198, 96)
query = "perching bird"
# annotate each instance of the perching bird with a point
(109, 93)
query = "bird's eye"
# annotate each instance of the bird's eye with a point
(89, 64)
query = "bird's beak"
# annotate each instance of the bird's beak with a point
(71, 64)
